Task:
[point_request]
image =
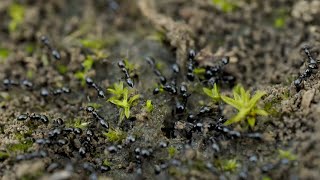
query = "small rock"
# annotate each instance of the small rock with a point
(307, 98)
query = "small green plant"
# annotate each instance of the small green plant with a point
(16, 13)
(125, 104)
(246, 105)
(23, 146)
(87, 66)
(280, 18)
(279, 22)
(284, 154)
(79, 124)
(115, 136)
(225, 5)
(213, 93)
(4, 54)
(62, 69)
(106, 162)
(230, 165)
(117, 91)
(149, 106)
(200, 72)
(3, 155)
(172, 151)
(130, 66)
(93, 43)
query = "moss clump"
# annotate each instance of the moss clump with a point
(115, 136)
(4, 54)
(172, 151)
(87, 66)
(246, 105)
(79, 124)
(149, 106)
(230, 165)
(225, 5)
(20, 147)
(62, 69)
(213, 93)
(125, 103)
(200, 72)
(3, 155)
(285, 154)
(16, 13)
(106, 162)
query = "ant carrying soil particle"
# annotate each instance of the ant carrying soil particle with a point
(312, 66)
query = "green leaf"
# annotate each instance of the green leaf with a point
(149, 106)
(92, 43)
(251, 121)
(88, 63)
(232, 102)
(127, 112)
(287, 155)
(116, 102)
(112, 91)
(261, 112)
(135, 97)
(240, 116)
(207, 91)
(4, 53)
(16, 13)
(253, 101)
(79, 75)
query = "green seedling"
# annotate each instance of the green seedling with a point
(225, 5)
(230, 165)
(246, 105)
(117, 91)
(62, 69)
(4, 54)
(78, 124)
(213, 93)
(281, 18)
(30, 74)
(87, 66)
(129, 66)
(125, 104)
(30, 48)
(284, 154)
(172, 151)
(149, 106)
(16, 13)
(23, 146)
(92, 43)
(3, 155)
(200, 72)
(279, 22)
(106, 162)
(115, 136)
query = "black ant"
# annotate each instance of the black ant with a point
(101, 120)
(312, 65)
(191, 65)
(33, 155)
(37, 117)
(54, 52)
(24, 83)
(90, 83)
(162, 79)
(123, 68)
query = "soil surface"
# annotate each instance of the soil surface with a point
(60, 60)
